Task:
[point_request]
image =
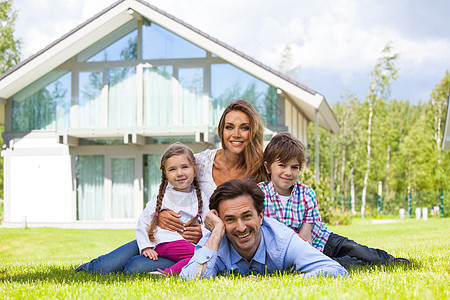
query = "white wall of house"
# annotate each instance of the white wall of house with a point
(38, 177)
(296, 122)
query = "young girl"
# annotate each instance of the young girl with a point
(182, 196)
(294, 204)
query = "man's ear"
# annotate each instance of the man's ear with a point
(267, 168)
(261, 216)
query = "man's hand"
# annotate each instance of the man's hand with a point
(217, 228)
(212, 219)
(193, 233)
(169, 220)
(150, 253)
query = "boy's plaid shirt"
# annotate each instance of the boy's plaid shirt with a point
(300, 208)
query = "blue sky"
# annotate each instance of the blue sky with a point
(336, 43)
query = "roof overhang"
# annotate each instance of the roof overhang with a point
(122, 12)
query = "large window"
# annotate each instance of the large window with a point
(105, 187)
(122, 190)
(229, 83)
(45, 104)
(122, 97)
(158, 96)
(123, 81)
(190, 96)
(123, 49)
(90, 172)
(159, 43)
(152, 175)
(90, 100)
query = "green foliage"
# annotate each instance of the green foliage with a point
(9, 47)
(40, 263)
(9, 54)
(405, 141)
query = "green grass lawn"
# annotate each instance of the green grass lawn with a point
(40, 263)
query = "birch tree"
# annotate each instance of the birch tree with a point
(383, 75)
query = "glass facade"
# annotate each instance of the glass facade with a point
(90, 174)
(122, 190)
(122, 97)
(43, 105)
(159, 43)
(158, 95)
(152, 176)
(90, 100)
(163, 73)
(122, 81)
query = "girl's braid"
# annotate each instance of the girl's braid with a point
(159, 198)
(200, 203)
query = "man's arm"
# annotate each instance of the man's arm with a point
(203, 263)
(311, 261)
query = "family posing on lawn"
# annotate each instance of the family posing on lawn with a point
(236, 210)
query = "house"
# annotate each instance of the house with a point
(87, 118)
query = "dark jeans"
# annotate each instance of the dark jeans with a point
(349, 253)
(126, 258)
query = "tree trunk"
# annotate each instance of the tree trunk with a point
(352, 193)
(366, 175)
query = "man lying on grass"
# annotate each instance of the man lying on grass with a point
(244, 242)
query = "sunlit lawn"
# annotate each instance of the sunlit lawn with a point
(40, 263)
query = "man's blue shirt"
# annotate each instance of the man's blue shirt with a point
(280, 250)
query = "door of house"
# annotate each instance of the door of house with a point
(107, 188)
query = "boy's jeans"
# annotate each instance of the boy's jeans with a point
(349, 253)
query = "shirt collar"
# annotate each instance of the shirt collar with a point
(274, 195)
(260, 255)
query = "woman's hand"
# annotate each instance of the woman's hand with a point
(150, 253)
(193, 233)
(169, 220)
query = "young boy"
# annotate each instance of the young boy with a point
(294, 204)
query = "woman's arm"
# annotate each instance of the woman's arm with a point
(193, 233)
(169, 220)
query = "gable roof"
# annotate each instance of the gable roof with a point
(121, 12)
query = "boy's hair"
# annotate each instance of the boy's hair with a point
(237, 187)
(174, 149)
(284, 147)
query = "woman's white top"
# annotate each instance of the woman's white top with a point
(184, 204)
(205, 161)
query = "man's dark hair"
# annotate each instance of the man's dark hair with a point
(235, 188)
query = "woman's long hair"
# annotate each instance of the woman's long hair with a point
(253, 153)
(174, 149)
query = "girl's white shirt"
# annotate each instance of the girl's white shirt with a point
(184, 204)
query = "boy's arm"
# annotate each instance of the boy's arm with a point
(311, 214)
(305, 232)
